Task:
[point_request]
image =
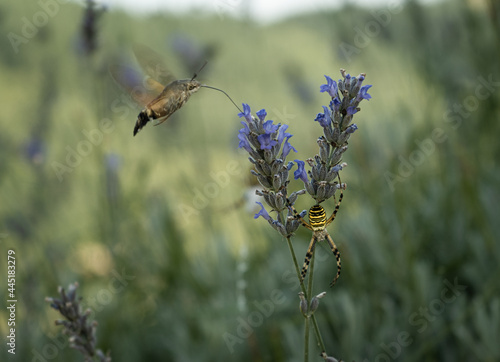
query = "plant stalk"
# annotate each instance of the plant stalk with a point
(306, 295)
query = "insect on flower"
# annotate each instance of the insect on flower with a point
(318, 224)
(159, 101)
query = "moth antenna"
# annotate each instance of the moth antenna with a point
(196, 73)
(227, 95)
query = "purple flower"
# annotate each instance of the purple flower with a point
(35, 150)
(283, 134)
(269, 127)
(243, 137)
(266, 142)
(321, 119)
(300, 172)
(262, 212)
(351, 128)
(337, 168)
(324, 119)
(330, 87)
(245, 128)
(363, 92)
(351, 110)
(246, 113)
(262, 114)
(113, 161)
(335, 104)
(287, 147)
(328, 114)
(361, 78)
(244, 142)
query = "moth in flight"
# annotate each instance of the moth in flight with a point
(159, 101)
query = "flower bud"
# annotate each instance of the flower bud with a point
(315, 301)
(303, 304)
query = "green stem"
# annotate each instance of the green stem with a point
(306, 340)
(297, 270)
(318, 334)
(309, 292)
(311, 276)
(306, 295)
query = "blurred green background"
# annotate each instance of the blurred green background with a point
(146, 224)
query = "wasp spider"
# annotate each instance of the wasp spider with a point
(318, 224)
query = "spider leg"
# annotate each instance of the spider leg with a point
(309, 255)
(298, 217)
(331, 218)
(336, 252)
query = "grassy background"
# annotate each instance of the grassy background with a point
(197, 269)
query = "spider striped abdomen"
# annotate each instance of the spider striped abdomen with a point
(317, 217)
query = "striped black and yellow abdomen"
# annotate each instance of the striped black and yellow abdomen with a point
(317, 217)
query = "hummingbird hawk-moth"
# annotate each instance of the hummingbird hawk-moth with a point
(159, 101)
(171, 98)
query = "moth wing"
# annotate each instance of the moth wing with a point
(155, 86)
(141, 90)
(152, 64)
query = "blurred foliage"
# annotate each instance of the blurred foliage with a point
(155, 207)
